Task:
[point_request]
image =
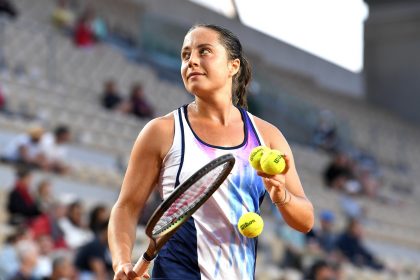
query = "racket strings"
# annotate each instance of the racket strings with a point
(188, 200)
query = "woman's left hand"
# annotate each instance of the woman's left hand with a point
(276, 184)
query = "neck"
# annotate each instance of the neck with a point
(215, 110)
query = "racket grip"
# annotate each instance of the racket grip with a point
(141, 266)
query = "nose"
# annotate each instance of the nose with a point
(193, 61)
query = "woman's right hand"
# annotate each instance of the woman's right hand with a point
(125, 272)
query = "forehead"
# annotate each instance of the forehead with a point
(201, 35)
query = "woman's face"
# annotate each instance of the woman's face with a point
(205, 66)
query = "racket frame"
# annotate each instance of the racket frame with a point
(156, 242)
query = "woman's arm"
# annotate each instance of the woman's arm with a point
(141, 176)
(286, 190)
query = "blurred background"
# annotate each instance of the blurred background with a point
(79, 80)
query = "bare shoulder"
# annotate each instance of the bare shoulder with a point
(264, 126)
(272, 136)
(161, 125)
(158, 134)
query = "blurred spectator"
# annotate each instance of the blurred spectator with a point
(62, 269)
(140, 107)
(2, 101)
(9, 260)
(21, 204)
(338, 172)
(7, 8)
(76, 233)
(48, 224)
(53, 146)
(369, 183)
(325, 134)
(43, 267)
(63, 16)
(28, 253)
(98, 25)
(348, 203)
(367, 173)
(350, 245)
(321, 270)
(324, 237)
(94, 259)
(111, 98)
(44, 198)
(98, 215)
(26, 150)
(84, 36)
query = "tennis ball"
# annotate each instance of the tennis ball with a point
(255, 156)
(250, 224)
(273, 162)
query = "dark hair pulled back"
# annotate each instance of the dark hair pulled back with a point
(233, 48)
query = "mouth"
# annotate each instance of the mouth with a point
(194, 74)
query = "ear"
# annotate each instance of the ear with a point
(234, 66)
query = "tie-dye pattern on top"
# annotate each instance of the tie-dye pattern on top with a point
(221, 251)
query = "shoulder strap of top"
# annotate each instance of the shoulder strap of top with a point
(253, 127)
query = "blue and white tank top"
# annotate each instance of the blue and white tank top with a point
(209, 245)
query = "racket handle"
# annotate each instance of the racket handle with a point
(141, 266)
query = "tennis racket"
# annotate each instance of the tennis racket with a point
(181, 204)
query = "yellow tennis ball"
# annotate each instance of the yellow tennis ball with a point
(250, 224)
(273, 162)
(255, 156)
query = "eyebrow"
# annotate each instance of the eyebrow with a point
(199, 46)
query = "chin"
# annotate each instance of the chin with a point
(197, 90)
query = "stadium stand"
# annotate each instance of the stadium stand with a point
(49, 81)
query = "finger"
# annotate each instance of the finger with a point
(268, 181)
(128, 271)
(264, 175)
(278, 180)
(127, 267)
(271, 189)
(132, 275)
(287, 159)
(146, 275)
(120, 275)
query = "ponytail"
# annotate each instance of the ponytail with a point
(240, 84)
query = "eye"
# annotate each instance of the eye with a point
(185, 55)
(204, 51)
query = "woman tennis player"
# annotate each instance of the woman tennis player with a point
(171, 148)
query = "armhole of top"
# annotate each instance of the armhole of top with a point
(261, 143)
(255, 129)
(180, 123)
(178, 137)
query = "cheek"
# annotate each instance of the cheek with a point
(183, 70)
(183, 77)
